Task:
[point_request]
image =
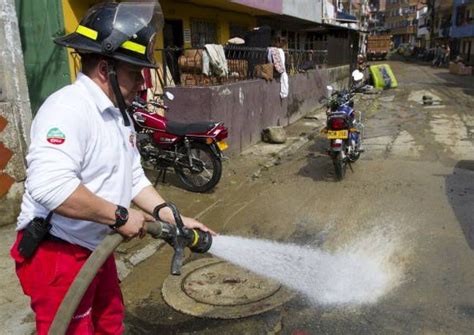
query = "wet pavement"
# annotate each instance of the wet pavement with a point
(409, 197)
(413, 186)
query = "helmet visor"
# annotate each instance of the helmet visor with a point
(131, 17)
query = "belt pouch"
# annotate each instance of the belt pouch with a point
(33, 235)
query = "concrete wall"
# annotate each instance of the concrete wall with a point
(310, 10)
(273, 6)
(248, 107)
(15, 115)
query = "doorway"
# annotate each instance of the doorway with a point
(173, 42)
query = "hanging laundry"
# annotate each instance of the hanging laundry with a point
(214, 61)
(276, 56)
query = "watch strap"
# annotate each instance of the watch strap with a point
(119, 222)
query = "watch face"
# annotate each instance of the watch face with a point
(121, 213)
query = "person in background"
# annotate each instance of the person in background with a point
(84, 170)
(447, 55)
(437, 55)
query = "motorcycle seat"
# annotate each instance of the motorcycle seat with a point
(181, 129)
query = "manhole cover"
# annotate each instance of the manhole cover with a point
(213, 288)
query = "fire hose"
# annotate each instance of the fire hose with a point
(178, 236)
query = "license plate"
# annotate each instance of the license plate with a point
(222, 145)
(337, 134)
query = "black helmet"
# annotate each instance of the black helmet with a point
(124, 31)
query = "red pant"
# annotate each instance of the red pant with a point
(46, 277)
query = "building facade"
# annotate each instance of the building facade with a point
(188, 25)
(376, 20)
(462, 29)
(400, 20)
(423, 29)
(441, 19)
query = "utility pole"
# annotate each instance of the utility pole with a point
(432, 14)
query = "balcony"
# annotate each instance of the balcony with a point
(404, 30)
(187, 66)
(463, 23)
(462, 31)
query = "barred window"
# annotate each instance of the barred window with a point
(203, 32)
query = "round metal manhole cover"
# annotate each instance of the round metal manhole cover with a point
(213, 288)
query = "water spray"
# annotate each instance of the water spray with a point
(357, 273)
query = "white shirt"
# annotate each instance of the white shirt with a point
(78, 136)
(284, 76)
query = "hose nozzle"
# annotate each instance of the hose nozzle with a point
(179, 237)
(202, 241)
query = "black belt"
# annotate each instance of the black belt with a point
(53, 238)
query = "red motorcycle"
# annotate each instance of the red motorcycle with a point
(193, 150)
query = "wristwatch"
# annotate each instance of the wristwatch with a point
(121, 217)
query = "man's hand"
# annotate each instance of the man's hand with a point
(195, 224)
(135, 225)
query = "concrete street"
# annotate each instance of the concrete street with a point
(408, 201)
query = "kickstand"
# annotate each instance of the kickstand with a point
(161, 172)
(350, 165)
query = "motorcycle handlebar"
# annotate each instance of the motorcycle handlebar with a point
(158, 104)
(140, 103)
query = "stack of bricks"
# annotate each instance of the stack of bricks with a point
(192, 79)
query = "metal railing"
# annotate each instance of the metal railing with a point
(189, 67)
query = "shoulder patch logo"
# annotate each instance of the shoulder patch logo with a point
(55, 136)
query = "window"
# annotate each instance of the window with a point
(203, 32)
(470, 15)
(461, 16)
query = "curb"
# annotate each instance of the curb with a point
(288, 150)
(126, 262)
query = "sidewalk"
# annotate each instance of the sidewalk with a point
(15, 314)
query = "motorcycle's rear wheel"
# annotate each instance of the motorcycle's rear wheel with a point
(205, 171)
(339, 166)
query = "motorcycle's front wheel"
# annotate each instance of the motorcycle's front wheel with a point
(198, 169)
(339, 166)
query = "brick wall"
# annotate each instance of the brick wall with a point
(6, 181)
(12, 166)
